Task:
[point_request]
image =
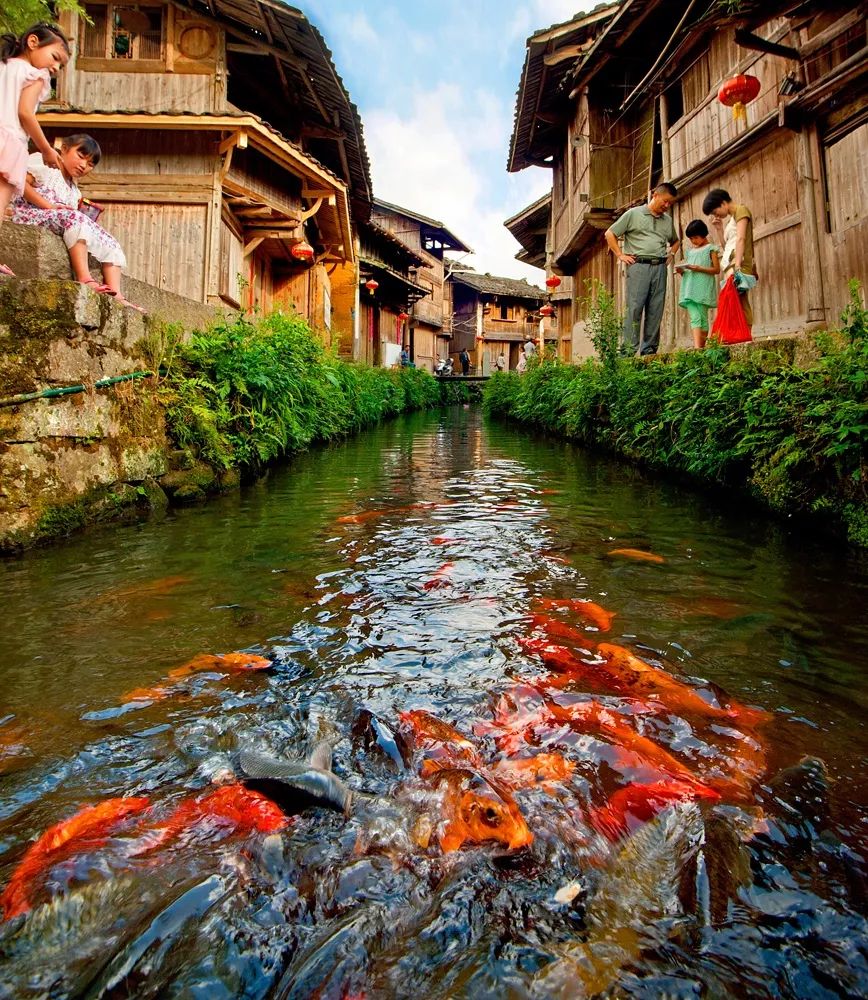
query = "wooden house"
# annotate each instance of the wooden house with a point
(492, 315)
(426, 332)
(228, 139)
(621, 98)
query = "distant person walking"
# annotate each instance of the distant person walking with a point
(500, 362)
(464, 358)
(699, 279)
(650, 243)
(529, 349)
(736, 237)
(521, 367)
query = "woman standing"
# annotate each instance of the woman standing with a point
(735, 236)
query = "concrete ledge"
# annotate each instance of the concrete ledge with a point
(33, 252)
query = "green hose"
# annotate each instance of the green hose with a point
(69, 390)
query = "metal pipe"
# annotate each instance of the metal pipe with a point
(69, 390)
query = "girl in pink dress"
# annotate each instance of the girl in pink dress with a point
(26, 67)
(52, 198)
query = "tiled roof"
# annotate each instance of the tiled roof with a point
(380, 232)
(489, 284)
(456, 243)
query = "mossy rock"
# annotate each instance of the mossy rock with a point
(190, 485)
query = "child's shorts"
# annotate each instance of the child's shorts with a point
(697, 312)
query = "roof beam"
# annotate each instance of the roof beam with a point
(566, 52)
(748, 40)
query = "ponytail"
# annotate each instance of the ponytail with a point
(47, 34)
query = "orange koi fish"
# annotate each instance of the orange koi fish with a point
(633, 674)
(636, 804)
(441, 577)
(476, 809)
(593, 715)
(587, 610)
(90, 827)
(230, 810)
(428, 729)
(234, 662)
(639, 554)
(517, 713)
(557, 629)
(443, 540)
(530, 771)
(369, 515)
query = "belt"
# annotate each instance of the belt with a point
(650, 260)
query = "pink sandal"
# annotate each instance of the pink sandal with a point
(99, 288)
(6, 271)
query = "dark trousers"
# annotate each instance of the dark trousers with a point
(646, 294)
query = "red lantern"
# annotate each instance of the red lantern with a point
(403, 317)
(372, 285)
(738, 91)
(547, 310)
(302, 251)
(553, 282)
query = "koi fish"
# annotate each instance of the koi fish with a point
(229, 810)
(633, 674)
(234, 662)
(530, 771)
(638, 554)
(476, 809)
(90, 827)
(430, 731)
(557, 629)
(517, 714)
(443, 540)
(296, 784)
(638, 803)
(587, 610)
(441, 577)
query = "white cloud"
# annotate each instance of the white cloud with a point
(356, 28)
(427, 158)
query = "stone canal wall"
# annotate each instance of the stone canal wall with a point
(90, 455)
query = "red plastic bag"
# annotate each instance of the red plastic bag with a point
(730, 326)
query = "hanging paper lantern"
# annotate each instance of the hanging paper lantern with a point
(372, 285)
(738, 91)
(553, 282)
(302, 251)
(403, 316)
(547, 310)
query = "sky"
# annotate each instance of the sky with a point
(435, 85)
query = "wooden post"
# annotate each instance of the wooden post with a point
(479, 335)
(815, 302)
(671, 310)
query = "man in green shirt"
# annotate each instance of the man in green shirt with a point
(650, 244)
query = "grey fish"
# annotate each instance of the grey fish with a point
(296, 784)
(639, 888)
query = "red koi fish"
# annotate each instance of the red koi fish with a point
(587, 610)
(443, 540)
(90, 827)
(231, 810)
(233, 662)
(638, 554)
(517, 715)
(441, 577)
(636, 804)
(528, 772)
(369, 515)
(476, 809)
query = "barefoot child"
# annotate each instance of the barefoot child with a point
(698, 281)
(51, 199)
(26, 67)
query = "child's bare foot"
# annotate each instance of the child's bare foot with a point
(131, 305)
(6, 271)
(98, 287)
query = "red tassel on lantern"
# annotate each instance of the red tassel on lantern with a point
(738, 91)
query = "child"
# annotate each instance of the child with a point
(698, 284)
(51, 199)
(26, 66)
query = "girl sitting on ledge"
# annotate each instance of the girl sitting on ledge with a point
(52, 198)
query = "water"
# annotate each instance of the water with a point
(425, 607)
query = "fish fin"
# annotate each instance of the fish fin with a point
(321, 757)
(260, 765)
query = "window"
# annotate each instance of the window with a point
(123, 34)
(504, 310)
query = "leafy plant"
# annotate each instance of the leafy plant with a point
(17, 16)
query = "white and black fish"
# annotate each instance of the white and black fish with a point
(296, 784)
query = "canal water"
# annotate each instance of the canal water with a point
(429, 565)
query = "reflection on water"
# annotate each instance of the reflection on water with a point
(427, 603)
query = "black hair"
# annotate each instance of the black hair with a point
(86, 143)
(696, 228)
(48, 34)
(666, 188)
(714, 199)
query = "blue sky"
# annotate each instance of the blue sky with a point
(435, 85)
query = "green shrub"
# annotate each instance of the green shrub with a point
(244, 393)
